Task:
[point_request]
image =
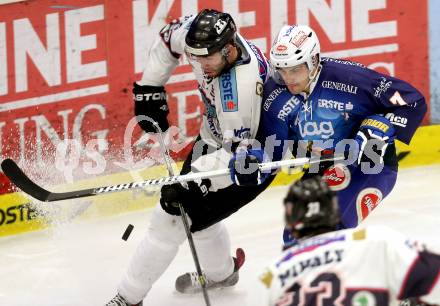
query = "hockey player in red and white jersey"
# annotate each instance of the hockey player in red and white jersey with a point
(370, 266)
(230, 72)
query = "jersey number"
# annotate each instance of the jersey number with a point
(220, 26)
(397, 99)
(325, 290)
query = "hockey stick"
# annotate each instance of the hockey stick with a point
(22, 181)
(167, 158)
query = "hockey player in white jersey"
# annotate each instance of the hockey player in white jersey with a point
(370, 266)
(230, 72)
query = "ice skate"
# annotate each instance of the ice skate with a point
(118, 300)
(189, 282)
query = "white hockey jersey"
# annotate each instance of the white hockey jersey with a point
(232, 100)
(365, 267)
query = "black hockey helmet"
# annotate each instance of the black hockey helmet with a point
(209, 32)
(314, 207)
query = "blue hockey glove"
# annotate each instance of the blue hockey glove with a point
(244, 167)
(378, 128)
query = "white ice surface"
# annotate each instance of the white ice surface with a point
(79, 264)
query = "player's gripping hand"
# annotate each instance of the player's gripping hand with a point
(378, 128)
(244, 168)
(172, 195)
(151, 101)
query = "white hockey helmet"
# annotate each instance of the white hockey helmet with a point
(295, 45)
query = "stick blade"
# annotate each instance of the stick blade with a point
(22, 181)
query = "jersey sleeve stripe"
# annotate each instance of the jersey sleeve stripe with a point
(436, 281)
(421, 276)
(176, 55)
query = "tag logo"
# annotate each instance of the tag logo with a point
(312, 128)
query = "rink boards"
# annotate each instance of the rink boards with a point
(66, 70)
(19, 214)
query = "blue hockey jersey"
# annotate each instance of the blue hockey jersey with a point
(343, 95)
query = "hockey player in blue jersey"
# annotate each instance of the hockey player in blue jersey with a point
(320, 104)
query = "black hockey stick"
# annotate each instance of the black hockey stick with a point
(22, 181)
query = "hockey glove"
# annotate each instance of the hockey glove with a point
(244, 167)
(172, 195)
(151, 101)
(378, 128)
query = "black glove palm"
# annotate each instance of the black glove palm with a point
(172, 195)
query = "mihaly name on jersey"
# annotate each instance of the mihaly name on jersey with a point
(288, 107)
(332, 104)
(397, 120)
(325, 258)
(340, 86)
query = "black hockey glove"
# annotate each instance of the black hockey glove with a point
(172, 195)
(151, 101)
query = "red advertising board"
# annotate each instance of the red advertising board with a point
(66, 68)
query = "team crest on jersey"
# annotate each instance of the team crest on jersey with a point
(337, 177)
(259, 89)
(228, 91)
(366, 201)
